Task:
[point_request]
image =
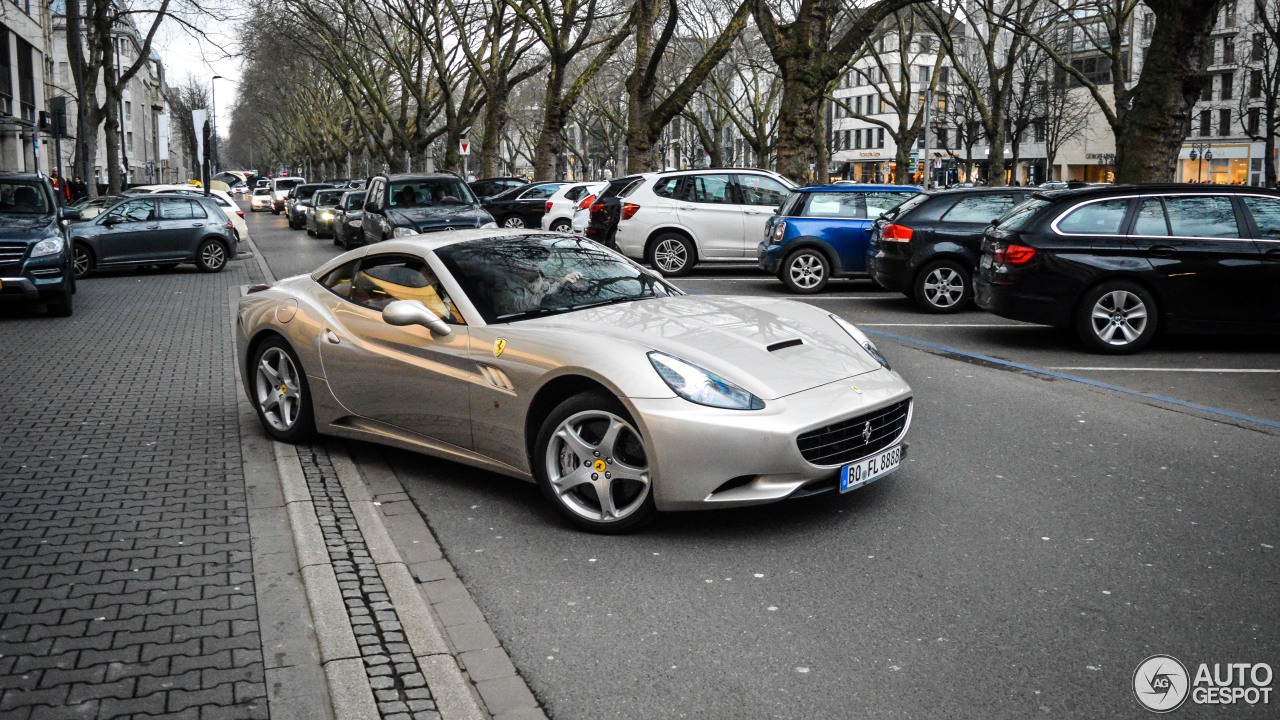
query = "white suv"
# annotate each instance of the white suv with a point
(675, 220)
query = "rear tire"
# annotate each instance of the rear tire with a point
(211, 256)
(561, 226)
(81, 260)
(591, 464)
(513, 221)
(806, 271)
(943, 287)
(1116, 317)
(672, 255)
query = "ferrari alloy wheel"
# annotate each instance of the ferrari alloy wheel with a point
(943, 287)
(592, 465)
(672, 255)
(1116, 318)
(280, 392)
(806, 271)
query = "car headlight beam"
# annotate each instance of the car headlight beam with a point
(862, 340)
(702, 386)
(48, 246)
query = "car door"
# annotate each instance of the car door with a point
(532, 203)
(708, 209)
(1264, 212)
(180, 221)
(960, 228)
(372, 222)
(400, 376)
(759, 197)
(123, 237)
(1207, 268)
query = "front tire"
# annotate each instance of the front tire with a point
(281, 395)
(513, 221)
(673, 255)
(943, 287)
(590, 463)
(60, 306)
(211, 256)
(1117, 317)
(806, 271)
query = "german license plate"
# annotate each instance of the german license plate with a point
(869, 469)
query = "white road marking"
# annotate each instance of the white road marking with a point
(1191, 370)
(958, 325)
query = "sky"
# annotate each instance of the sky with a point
(186, 54)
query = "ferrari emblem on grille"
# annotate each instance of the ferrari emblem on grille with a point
(866, 433)
(856, 389)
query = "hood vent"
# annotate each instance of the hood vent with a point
(783, 344)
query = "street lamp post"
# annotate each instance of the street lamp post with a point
(1201, 152)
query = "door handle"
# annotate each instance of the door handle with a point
(1163, 250)
(197, 224)
(332, 337)
(153, 227)
(1272, 254)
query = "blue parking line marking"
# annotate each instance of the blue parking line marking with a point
(1073, 378)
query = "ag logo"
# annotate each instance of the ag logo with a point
(1161, 683)
(498, 346)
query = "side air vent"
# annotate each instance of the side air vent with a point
(497, 378)
(783, 344)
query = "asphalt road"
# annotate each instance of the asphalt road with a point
(1045, 536)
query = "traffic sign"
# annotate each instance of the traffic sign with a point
(464, 147)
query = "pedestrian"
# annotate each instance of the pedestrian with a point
(60, 188)
(78, 189)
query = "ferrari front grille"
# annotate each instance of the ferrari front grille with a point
(848, 440)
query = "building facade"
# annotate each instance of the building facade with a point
(24, 43)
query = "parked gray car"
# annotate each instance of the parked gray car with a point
(34, 263)
(347, 220)
(161, 229)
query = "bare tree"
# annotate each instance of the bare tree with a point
(1065, 118)
(811, 47)
(1259, 108)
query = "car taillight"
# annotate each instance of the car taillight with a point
(548, 206)
(629, 209)
(1013, 254)
(240, 213)
(597, 207)
(896, 233)
(778, 231)
(586, 202)
(230, 226)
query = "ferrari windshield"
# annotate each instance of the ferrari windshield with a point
(515, 278)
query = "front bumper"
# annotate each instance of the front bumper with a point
(694, 450)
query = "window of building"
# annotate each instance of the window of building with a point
(942, 138)
(1255, 121)
(1148, 25)
(1206, 94)
(1228, 50)
(1259, 52)
(1038, 130)
(1229, 15)
(857, 105)
(1224, 122)
(128, 142)
(128, 111)
(848, 139)
(1225, 89)
(1205, 120)
(6, 74)
(924, 74)
(26, 80)
(1255, 84)
(857, 140)
(944, 76)
(880, 138)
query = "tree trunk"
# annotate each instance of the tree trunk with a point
(112, 129)
(1269, 150)
(1148, 144)
(995, 154)
(496, 116)
(901, 157)
(802, 93)
(546, 155)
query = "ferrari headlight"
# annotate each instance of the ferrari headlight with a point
(701, 386)
(862, 339)
(48, 246)
(399, 232)
(489, 226)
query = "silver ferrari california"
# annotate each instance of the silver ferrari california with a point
(553, 359)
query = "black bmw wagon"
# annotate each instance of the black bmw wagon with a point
(1119, 263)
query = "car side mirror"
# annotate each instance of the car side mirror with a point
(413, 312)
(112, 220)
(371, 207)
(70, 213)
(995, 223)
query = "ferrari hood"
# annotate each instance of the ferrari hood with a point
(769, 347)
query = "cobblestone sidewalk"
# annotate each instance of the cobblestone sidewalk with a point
(126, 584)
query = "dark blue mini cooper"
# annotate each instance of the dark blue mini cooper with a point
(823, 232)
